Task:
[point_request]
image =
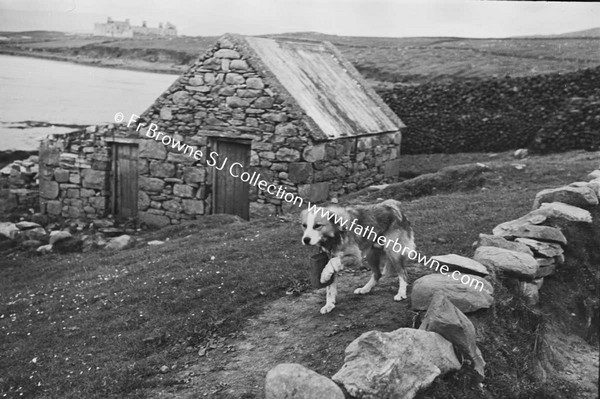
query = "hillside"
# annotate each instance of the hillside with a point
(595, 32)
(412, 60)
(221, 301)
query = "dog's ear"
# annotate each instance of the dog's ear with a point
(338, 220)
(303, 215)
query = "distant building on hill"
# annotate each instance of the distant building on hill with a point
(125, 29)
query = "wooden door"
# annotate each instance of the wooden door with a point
(125, 180)
(231, 194)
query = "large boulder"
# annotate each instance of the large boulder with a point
(511, 262)
(542, 233)
(577, 196)
(396, 364)
(546, 249)
(463, 264)
(478, 294)
(447, 320)
(488, 240)
(294, 381)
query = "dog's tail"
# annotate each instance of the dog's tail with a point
(401, 220)
(394, 205)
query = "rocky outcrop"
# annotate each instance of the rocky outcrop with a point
(396, 364)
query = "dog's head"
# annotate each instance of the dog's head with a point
(320, 229)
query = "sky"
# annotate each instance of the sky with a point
(388, 18)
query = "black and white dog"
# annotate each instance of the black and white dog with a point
(342, 233)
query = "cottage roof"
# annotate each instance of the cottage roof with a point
(328, 89)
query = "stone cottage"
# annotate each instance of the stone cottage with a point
(296, 112)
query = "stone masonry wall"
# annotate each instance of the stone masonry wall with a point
(19, 184)
(74, 174)
(228, 93)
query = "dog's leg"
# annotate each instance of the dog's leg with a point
(333, 266)
(374, 258)
(331, 294)
(402, 277)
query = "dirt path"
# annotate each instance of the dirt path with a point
(291, 329)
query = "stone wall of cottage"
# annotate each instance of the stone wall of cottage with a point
(19, 184)
(229, 94)
(74, 174)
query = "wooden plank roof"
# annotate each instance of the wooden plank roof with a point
(327, 87)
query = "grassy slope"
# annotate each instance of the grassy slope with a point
(102, 324)
(406, 60)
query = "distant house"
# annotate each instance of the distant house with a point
(294, 112)
(125, 29)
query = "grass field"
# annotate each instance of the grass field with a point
(103, 324)
(381, 60)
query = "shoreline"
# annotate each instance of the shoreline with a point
(93, 62)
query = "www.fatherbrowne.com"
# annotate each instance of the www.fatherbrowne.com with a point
(294, 199)
(396, 247)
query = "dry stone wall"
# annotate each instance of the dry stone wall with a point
(19, 183)
(545, 113)
(74, 174)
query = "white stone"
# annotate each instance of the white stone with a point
(58, 235)
(121, 242)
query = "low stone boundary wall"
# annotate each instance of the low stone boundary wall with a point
(400, 363)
